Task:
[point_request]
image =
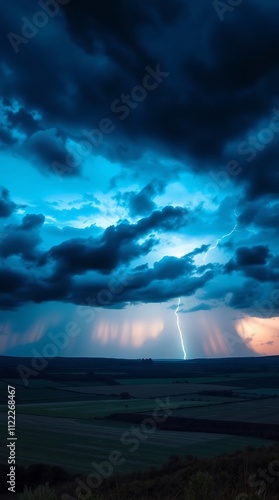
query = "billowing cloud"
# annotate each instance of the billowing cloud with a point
(256, 262)
(128, 152)
(7, 207)
(141, 202)
(22, 239)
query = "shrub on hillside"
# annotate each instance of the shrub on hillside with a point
(200, 487)
(42, 492)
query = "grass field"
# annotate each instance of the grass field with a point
(260, 392)
(231, 378)
(146, 381)
(75, 444)
(148, 390)
(263, 411)
(91, 409)
(47, 394)
(56, 419)
(34, 383)
(51, 391)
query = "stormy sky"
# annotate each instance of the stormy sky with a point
(139, 170)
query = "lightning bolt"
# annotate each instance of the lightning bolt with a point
(179, 329)
(220, 239)
(179, 300)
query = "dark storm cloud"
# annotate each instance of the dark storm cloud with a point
(22, 120)
(260, 300)
(168, 219)
(166, 279)
(261, 174)
(244, 296)
(78, 256)
(11, 280)
(22, 239)
(46, 146)
(142, 285)
(218, 98)
(141, 202)
(31, 221)
(168, 268)
(63, 272)
(256, 262)
(37, 144)
(6, 137)
(262, 216)
(118, 244)
(12, 286)
(249, 257)
(215, 94)
(115, 29)
(48, 288)
(7, 207)
(18, 288)
(162, 290)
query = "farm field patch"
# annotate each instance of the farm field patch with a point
(264, 391)
(76, 444)
(92, 409)
(263, 411)
(32, 383)
(45, 395)
(229, 378)
(146, 381)
(149, 390)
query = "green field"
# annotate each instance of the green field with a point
(32, 383)
(146, 381)
(66, 422)
(211, 379)
(263, 391)
(92, 409)
(142, 391)
(75, 444)
(258, 411)
(47, 394)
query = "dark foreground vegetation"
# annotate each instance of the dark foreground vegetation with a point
(244, 475)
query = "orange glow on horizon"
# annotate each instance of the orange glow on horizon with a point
(261, 333)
